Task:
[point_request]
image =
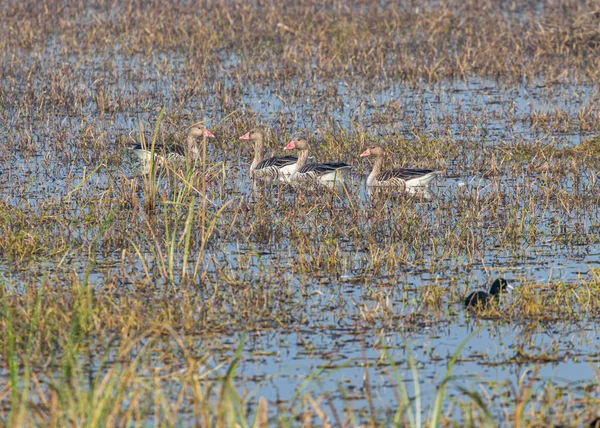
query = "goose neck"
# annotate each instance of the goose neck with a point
(377, 164)
(193, 147)
(259, 152)
(302, 157)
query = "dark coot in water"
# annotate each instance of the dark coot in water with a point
(482, 299)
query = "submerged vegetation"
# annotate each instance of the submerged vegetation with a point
(186, 296)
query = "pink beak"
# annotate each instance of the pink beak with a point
(366, 153)
(208, 133)
(290, 146)
(246, 136)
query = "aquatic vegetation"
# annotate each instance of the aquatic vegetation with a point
(188, 295)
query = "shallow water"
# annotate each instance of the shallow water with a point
(329, 330)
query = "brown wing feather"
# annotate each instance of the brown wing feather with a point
(402, 174)
(322, 168)
(277, 162)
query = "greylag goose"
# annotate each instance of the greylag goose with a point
(481, 299)
(172, 151)
(275, 168)
(409, 179)
(328, 173)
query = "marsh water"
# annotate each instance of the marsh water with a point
(349, 327)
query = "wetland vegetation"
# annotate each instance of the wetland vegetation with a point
(186, 297)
